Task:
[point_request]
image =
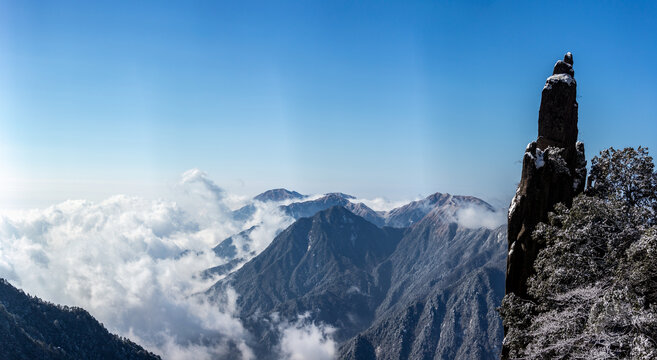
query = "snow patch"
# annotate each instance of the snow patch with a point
(514, 202)
(538, 160)
(558, 78)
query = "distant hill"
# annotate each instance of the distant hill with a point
(413, 212)
(278, 195)
(33, 329)
(401, 217)
(404, 216)
(309, 208)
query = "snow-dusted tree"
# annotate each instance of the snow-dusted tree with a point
(625, 175)
(594, 293)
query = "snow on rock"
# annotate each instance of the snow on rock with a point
(538, 160)
(556, 78)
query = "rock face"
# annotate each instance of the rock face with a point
(557, 117)
(553, 171)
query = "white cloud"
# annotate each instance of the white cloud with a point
(304, 340)
(270, 219)
(383, 204)
(474, 217)
(132, 263)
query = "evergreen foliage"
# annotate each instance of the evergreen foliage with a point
(31, 328)
(594, 293)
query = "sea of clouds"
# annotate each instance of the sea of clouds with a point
(134, 264)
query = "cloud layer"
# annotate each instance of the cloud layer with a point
(474, 217)
(383, 204)
(304, 340)
(133, 263)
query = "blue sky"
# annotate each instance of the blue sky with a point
(389, 99)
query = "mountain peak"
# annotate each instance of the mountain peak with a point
(438, 198)
(280, 194)
(336, 214)
(439, 204)
(313, 258)
(340, 195)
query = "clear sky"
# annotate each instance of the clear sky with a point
(389, 99)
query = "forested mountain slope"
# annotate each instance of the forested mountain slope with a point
(33, 329)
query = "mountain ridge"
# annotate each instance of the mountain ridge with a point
(31, 328)
(399, 217)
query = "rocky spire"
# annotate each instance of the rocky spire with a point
(557, 117)
(553, 171)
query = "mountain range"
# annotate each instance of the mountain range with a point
(400, 217)
(409, 283)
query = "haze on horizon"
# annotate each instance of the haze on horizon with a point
(392, 100)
